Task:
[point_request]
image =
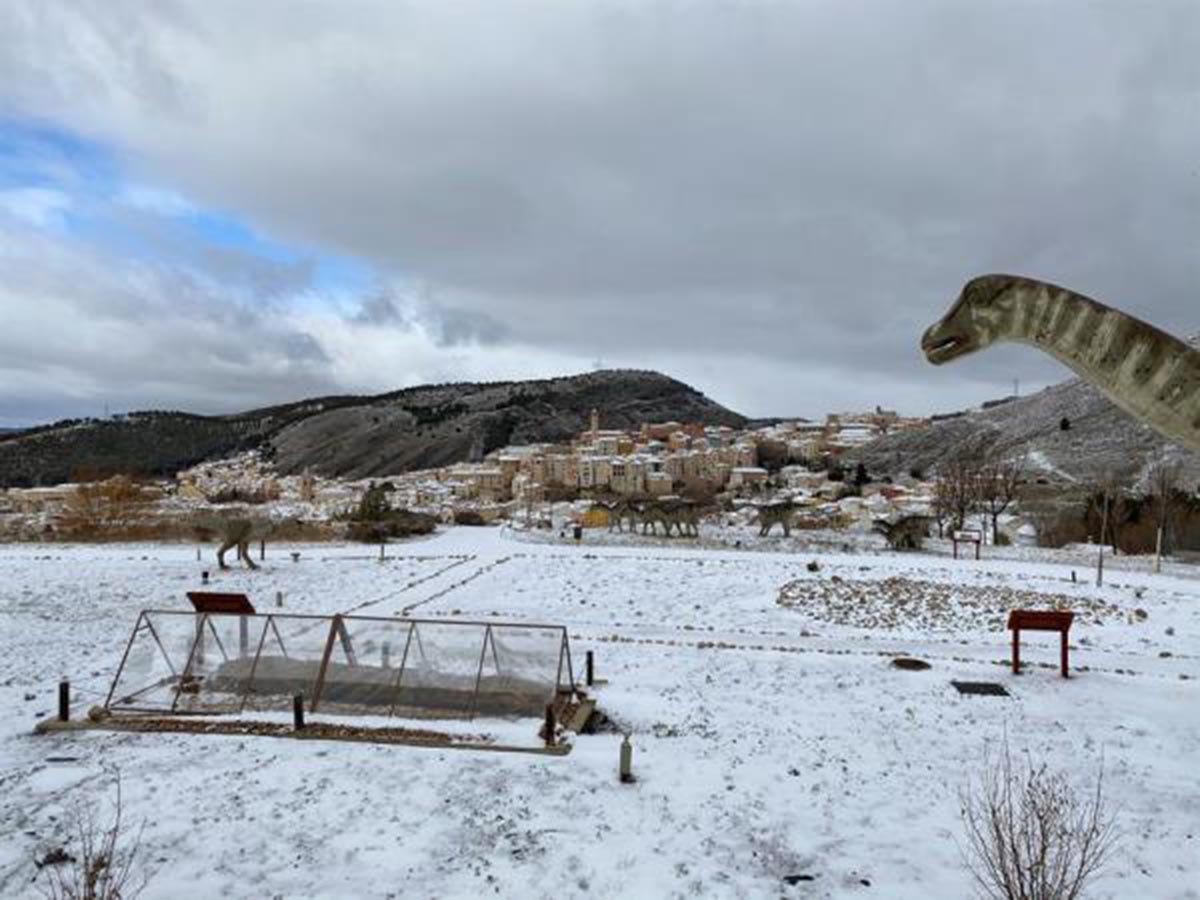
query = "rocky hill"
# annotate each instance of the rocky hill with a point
(1099, 438)
(357, 437)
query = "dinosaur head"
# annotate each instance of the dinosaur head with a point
(972, 323)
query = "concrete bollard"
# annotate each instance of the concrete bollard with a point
(64, 701)
(626, 761)
(298, 711)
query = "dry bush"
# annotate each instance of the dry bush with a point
(308, 488)
(251, 496)
(1030, 835)
(93, 511)
(99, 862)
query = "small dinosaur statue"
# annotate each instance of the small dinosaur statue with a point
(771, 514)
(1145, 371)
(907, 533)
(239, 532)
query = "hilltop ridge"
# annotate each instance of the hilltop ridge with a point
(357, 436)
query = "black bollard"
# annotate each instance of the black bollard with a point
(64, 701)
(204, 577)
(590, 668)
(298, 711)
(551, 725)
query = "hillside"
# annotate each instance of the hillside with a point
(357, 437)
(1101, 438)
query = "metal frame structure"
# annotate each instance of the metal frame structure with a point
(186, 681)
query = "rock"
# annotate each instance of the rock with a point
(1141, 614)
(796, 879)
(98, 714)
(814, 566)
(909, 664)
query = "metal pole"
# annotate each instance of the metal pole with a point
(590, 661)
(64, 701)
(298, 711)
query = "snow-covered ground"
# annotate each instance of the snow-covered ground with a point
(772, 739)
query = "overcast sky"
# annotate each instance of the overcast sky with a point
(217, 205)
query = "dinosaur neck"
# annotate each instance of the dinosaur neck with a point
(1148, 373)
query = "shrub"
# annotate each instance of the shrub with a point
(1030, 835)
(103, 861)
(251, 496)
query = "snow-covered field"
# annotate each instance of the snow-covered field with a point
(772, 739)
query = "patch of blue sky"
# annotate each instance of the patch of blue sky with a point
(35, 154)
(108, 208)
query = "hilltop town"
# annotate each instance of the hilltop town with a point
(792, 460)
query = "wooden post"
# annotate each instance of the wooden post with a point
(298, 711)
(262, 549)
(590, 670)
(1016, 651)
(626, 769)
(64, 701)
(1063, 651)
(551, 725)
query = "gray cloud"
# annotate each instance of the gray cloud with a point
(800, 188)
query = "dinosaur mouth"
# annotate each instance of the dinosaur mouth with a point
(940, 349)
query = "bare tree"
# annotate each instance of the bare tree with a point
(1164, 488)
(1029, 834)
(999, 486)
(1110, 500)
(957, 488)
